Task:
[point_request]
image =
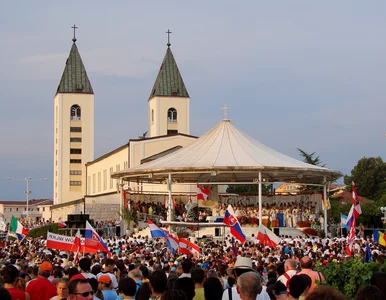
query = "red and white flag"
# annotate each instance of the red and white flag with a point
(61, 223)
(267, 237)
(202, 193)
(186, 247)
(77, 245)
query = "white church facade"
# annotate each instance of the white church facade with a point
(83, 184)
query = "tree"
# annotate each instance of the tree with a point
(245, 189)
(309, 158)
(369, 176)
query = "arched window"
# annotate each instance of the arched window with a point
(76, 112)
(152, 116)
(172, 115)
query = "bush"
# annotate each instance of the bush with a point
(349, 275)
(42, 231)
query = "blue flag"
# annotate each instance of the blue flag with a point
(343, 221)
(368, 256)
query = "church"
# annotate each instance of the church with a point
(82, 183)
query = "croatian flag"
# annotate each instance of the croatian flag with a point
(356, 209)
(351, 237)
(234, 225)
(187, 247)
(202, 193)
(267, 237)
(93, 240)
(155, 231)
(172, 243)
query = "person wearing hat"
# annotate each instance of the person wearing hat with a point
(243, 265)
(104, 284)
(41, 288)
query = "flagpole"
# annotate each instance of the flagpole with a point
(198, 218)
(170, 200)
(325, 208)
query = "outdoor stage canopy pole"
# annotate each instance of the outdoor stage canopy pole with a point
(260, 201)
(325, 208)
(170, 200)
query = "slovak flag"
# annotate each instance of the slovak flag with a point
(202, 193)
(267, 237)
(94, 241)
(187, 247)
(172, 243)
(155, 231)
(234, 225)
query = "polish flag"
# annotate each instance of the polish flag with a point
(202, 193)
(267, 237)
(187, 247)
(61, 224)
(77, 244)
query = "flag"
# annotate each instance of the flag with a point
(343, 221)
(351, 236)
(379, 237)
(61, 224)
(202, 193)
(368, 256)
(234, 247)
(3, 224)
(19, 237)
(155, 231)
(17, 227)
(77, 244)
(172, 243)
(187, 247)
(66, 243)
(267, 237)
(235, 228)
(326, 202)
(93, 240)
(354, 198)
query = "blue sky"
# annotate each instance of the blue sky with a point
(296, 74)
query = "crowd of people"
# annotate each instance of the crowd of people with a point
(144, 268)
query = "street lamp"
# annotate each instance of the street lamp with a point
(27, 191)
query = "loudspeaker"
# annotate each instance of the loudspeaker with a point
(276, 230)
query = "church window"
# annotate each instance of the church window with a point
(76, 112)
(111, 179)
(104, 179)
(75, 139)
(170, 132)
(75, 129)
(75, 161)
(152, 116)
(93, 183)
(75, 172)
(99, 181)
(172, 115)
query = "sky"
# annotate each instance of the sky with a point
(295, 74)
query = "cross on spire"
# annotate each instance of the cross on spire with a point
(225, 108)
(168, 32)
(75, 28)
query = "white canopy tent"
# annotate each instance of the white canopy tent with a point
(226, 155)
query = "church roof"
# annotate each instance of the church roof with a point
(169, 81)
(74, 78)
(233, 156)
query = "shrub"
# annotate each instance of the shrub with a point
(42, 231)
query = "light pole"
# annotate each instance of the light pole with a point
(27, 191)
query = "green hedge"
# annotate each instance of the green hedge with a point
(42, 231)
(350, 275)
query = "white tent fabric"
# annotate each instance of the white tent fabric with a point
(226, 149)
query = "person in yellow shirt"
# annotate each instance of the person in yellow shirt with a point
(198, 276)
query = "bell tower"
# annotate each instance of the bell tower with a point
(73, 129)
(169, 102)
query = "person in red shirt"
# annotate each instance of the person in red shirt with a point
(41, 288)
(10, 275)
